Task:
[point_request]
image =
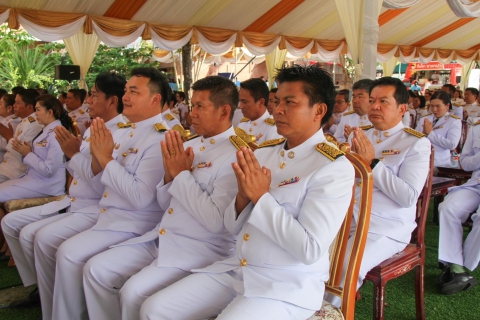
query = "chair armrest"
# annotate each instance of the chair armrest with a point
(19, 204)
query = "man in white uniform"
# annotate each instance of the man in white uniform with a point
(12, 166)
(358, 117)
(253, 103)
(8, 123)
(192, 233)
(453, 211)
(342, 106)
(129, 165)
(20, 227)
(471, 109)
(181, 106)
(456, 110)
(399, 157)
(76, 108)
(288, 209)
(168, 116)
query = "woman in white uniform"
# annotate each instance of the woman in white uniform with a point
(46, 174)
(442, 128)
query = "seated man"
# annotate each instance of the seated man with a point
(12, 166)
(76, 108)
(471, 109)
(456, 108)
(358, 117)
(8, 123)
(453, 211)
(399, 157)
(181, 106)
(129, 166)
(20, 227)
(253, 103)
(342, 107)
(192, 234)
(289, 207)
(168, 116)
(272, 102)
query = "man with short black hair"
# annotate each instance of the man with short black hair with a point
(76, 109)
(271, 101)
(341, 107)
(456, 109)
(8, 121)
(471, 109)
(253, 103)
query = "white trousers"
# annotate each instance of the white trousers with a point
(10, 192)
(378, 248)
(3, 178)
(471, 247)
(19, 228)
(453, 211)
(144, 284)
(72, 255)
(107, 272)
(47, 241)
(202, 296)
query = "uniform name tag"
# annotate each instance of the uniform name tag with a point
(204, 164)
(132, 150)
(42, 143)
(390, 152)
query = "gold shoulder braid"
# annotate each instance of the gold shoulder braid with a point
(414, 132)
(122, 125)
(238, 142)
(328, 151)
(368, 127)
(191, 137)
(31, 119)
(244, 135)
(169, 117)
(271, 142)
(476, 123)
(454, 116)
(348, 113)
(160, 127)
(81, 111)
(244, 120)
(270, 121)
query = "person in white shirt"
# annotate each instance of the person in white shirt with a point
(471, 109)
(76, 108)
(272, 101)
(9, 121)
(341, 107)
(456, 109)
(181, 107)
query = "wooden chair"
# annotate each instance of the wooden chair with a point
(463, 136)
(413, 256)
(412, 121)
(331, 138)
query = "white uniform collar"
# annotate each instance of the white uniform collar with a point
(258, 121)
(211, 142)
(113, 122)
(381, 136)
(147, 123)
(306, 146)
(51, 126)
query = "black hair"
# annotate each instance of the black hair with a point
(451, 88)
(9, 99)
(181, 94)
(111, 84)
(401, 93)
(423, 101)
(63, 94)
(222, 91)
(77, 94)
(29, 96)
(473, 91)
(42, 91)
(157, 82)
(411, 94)
(3, 92)
(317, 85)
(345, 93)
(257, 88)
(442, 95)
(49, 102)
(273, 90)
(17, 89)
(363, 84)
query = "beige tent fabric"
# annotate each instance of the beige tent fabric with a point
(274, 60)
(389, 66)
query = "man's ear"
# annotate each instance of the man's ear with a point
(320, 111)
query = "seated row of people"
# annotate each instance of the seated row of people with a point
(159, 228)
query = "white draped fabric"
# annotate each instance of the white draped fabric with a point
(445, 60)
(4, 16)
(389, 66)
(258, 51)
(426, 59)
(370, 38)
(114, 41)
(167, 44)
(274, 61)
(249, 55)
(406, 59)
(386, 56)
(214, 47)
(51, 34)
(466, 68)
(164, 59)
(82, 49)
(465, 8)
(398, 4)
(298, 52)
(328, 56)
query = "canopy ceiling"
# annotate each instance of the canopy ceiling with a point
(266, 24)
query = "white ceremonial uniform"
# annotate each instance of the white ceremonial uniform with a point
(20, 227)
(353, 120)
(445, 136)
(263, 128)
(12, 120)
(80, 116)
(237, 117)
(191, 235)
(337, 117)
(45, 174)
(12, 166)
(182, 109)
(127, 209)
(281, 260)
(398, 180)
(406, 119)
(457, 206)
(170, 118)
(458, 111)
(473, 111)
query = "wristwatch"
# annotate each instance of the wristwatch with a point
(374, 163)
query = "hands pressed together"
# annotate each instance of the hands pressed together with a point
(175, 158)
(23, 148)
(362, 146)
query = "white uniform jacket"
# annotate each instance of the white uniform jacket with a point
(12, 120)
(458, 111)
(263, 128)
(353, 120)
(445, 136)
(170, 118)
(129, 201)
(470, 158)
(192, 233)
(12, 165)
(79, 117)
(337, 118)
(46, 164)
(472, 111)
(398, 180)
(283, 242)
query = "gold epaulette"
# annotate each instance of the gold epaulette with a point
(238, 142)
(81, 111)
(244, 135)
(271, 142)
(426, 115)
(454, 116)
(31, 119)
(191, 137)
(14, 117)
(169, 117)
(348, 113)
(123, 125)
(476, 123)
(185, 134)
(270, 121)
(160, 127)
(414, 132)
(244, 120)
(367, 127)
(328, 151)
(175, 111)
